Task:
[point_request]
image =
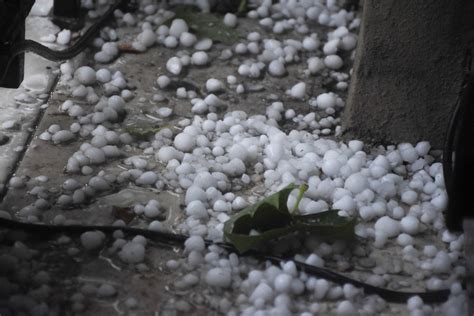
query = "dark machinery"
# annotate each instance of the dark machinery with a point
(13, 45)
(67, 14)
(458, 168)
(12, 30)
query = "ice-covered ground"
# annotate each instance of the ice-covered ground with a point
(158, 126)
(21, 108)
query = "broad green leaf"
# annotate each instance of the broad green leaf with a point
(270, 219)
(301, 191)
(271, 212)
(244, 243)
(279, 199)
(327, 224)
(269, 216)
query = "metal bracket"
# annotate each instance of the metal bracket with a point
(67, 14)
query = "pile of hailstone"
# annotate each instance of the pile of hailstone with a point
(396, 192)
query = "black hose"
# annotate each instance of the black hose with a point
(453, 169)
(452, 133)
(44, 230)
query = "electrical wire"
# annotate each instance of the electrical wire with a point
(452, 145)
(451, 134)
(44, 230)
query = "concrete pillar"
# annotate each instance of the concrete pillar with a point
(408, 70)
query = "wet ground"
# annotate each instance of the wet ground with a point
(74, 274)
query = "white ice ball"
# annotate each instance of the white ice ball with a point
(276, 68)
(333, 62)
(408, 152)
(315, 65)
(147, 178)
(200, 58)
(388, 226)
(187, 39)
(171, 41)
(219, 277)
(230, 20)
(178, 26)
(184, 142)
(106, 290)
(163, 81)
(197, 209)
(95, 155)
(409, 197)
(298, 91)
(62, 137)
(147, 38)
(310, 44)
(194, 243)
(204, 44)
(167, 153)
(262, 292)
(346, 308)
(410, 225)
(63, 37)
(356, 183)
(174, 65)
(103, 75)
(348, 42)
(422, 148)
(441, 262)
(214, 85)
(132, 252)
(283, 282)
(325, 101)
(331, 167)
(92, 239)
(85, 75)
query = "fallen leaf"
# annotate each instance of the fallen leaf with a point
(124, 213)
(270, 218)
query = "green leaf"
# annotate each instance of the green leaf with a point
(244, 243)
(242, 6)
(270, 219)
(269, 216)
(302, 190)
(207, 25)
(327, 224)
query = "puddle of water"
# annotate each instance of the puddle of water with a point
(169, 201)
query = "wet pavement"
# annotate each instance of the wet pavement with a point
(73, 274)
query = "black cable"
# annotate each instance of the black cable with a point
(451, 134)
(453, 146)
(44, 230)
